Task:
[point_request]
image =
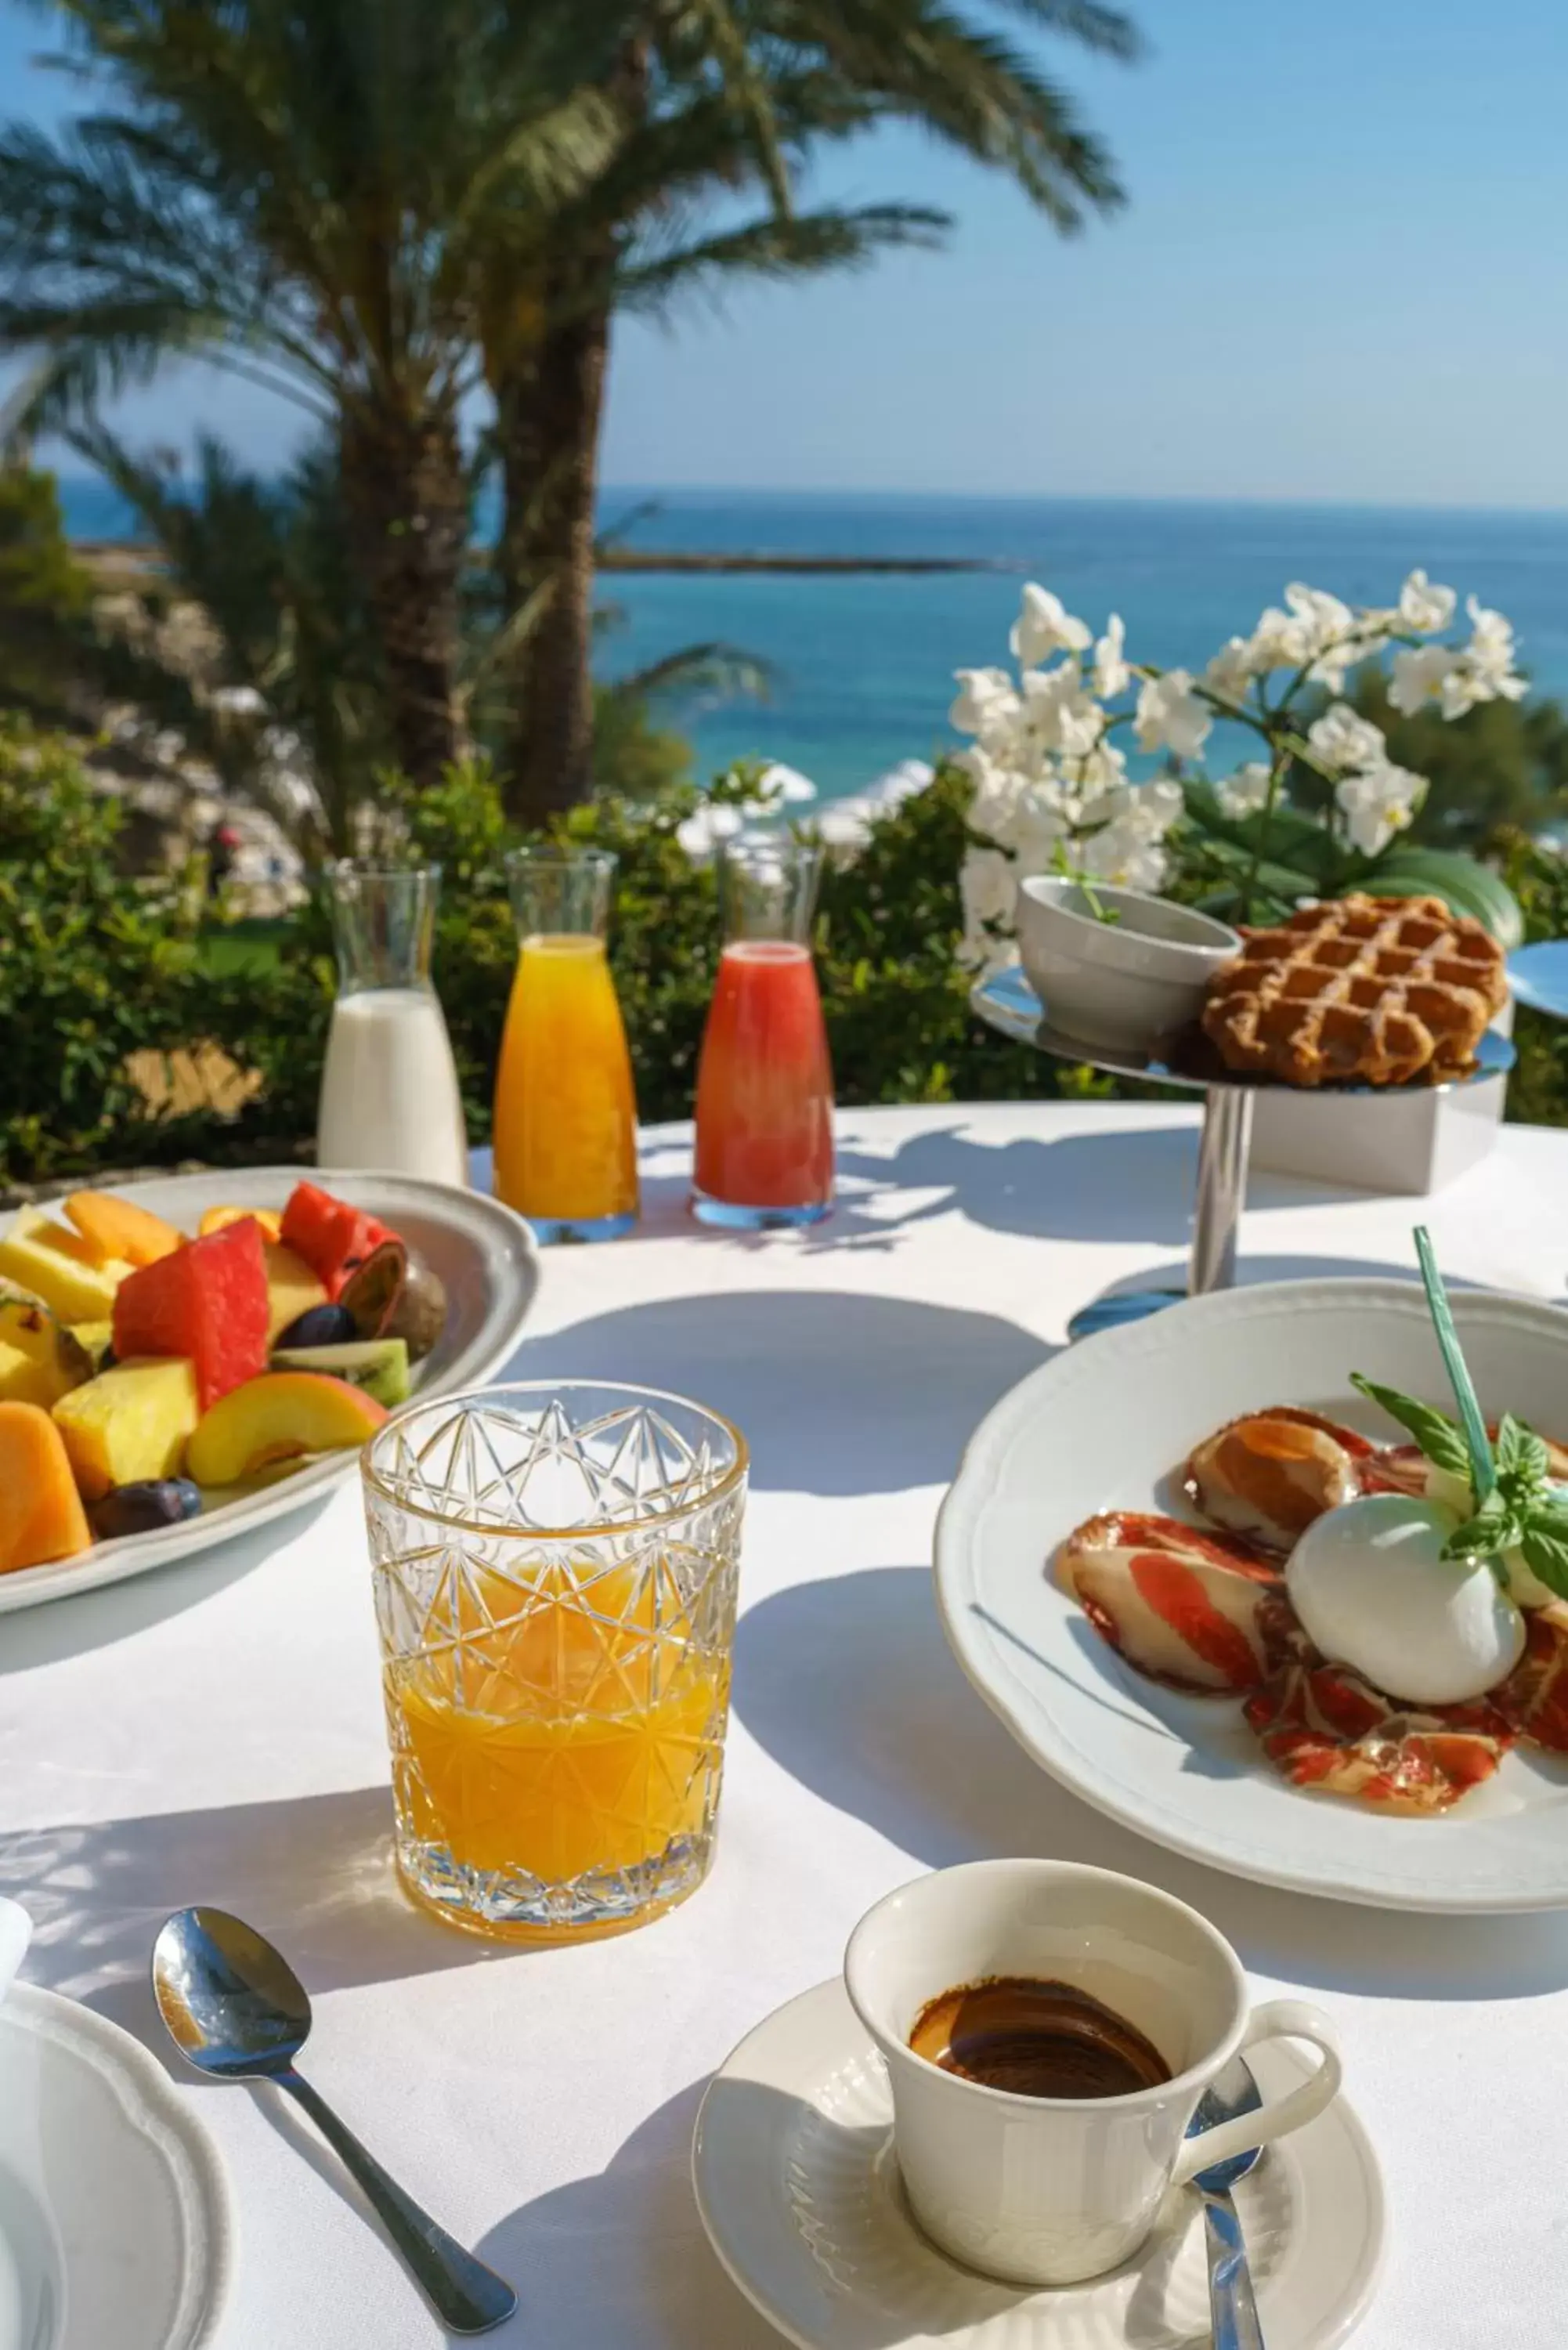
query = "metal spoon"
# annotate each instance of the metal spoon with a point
(1232, 2312)
(236, 2009)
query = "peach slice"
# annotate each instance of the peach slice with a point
(277, 1418)
(114, 1228)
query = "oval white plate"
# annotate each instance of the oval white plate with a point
(1103, 1426)
(484, 1254)
(801, 2199)
(115, 2227)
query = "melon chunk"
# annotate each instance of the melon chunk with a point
(41, 1514)
(36, 1253)
(116, 1228)
(131, 1423)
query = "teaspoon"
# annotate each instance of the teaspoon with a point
(1233, 2313)
(236, 2009)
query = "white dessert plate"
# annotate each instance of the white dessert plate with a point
(485, 1255)
(1104, 1426)
(799, 2192)
(114, 2217)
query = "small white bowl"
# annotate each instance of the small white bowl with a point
(1123, 983)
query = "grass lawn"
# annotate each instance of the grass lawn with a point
(240, 946)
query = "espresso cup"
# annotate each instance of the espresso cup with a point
(1049, 2190)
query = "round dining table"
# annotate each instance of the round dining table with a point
(212, 1732)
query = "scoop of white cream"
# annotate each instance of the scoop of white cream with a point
(1373, 1590)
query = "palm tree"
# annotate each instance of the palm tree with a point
(711, 103)
(307, 197)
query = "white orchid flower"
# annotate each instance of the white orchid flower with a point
(1419, 672)
(1170, 717)
(1044, 627)
(1277, 642)
(1232, 670)
(1342, 739)
(1325, 621)
(1378, 803)
(987, 703)
(1057, 713)
(1424, 605)
(1111, 675)
(1247, 790)
(1101, 769)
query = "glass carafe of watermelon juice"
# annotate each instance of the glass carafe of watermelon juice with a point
(566, 1117)
(765, 1083)
(389, 1095)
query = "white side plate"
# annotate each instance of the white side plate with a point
(485, 1255)
(115, 2230)
(1103, 1426)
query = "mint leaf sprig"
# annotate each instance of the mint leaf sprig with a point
(1516, 1507)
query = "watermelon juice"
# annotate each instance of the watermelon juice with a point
(764, 1091)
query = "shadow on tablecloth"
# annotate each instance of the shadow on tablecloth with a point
(849, 1684)
(313, 1872)
(838, 1393)
(621, 2256)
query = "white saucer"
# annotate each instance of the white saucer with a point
(114, 2217)
(798, 2189)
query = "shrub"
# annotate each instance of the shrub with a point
(91, 970)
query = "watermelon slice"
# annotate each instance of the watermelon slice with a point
(207, 1302)
(332, 1236)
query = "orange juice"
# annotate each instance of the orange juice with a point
(565, 1118)
(584, 1732)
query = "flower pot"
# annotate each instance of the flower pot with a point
(1117, 969)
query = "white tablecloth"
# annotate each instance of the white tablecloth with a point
(213, 1733)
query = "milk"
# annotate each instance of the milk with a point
(389, 1096)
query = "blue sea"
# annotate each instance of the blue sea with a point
(862, 663)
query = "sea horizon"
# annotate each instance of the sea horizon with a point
(862, 664)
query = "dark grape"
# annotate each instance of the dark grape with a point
(319, 1325)
(136, 1508)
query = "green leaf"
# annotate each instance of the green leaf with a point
(1483, 1469)
(1494, 1528)
(1437, 1436)
(1521, 1454)
(1544, 1539)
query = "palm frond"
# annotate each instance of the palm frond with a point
(715, 670)
(769, 247)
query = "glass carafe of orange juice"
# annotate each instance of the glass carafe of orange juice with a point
(765, 1083)
(566, 1117)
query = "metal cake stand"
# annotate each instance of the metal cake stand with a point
(1189, 1065)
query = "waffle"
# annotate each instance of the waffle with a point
(1370, 990)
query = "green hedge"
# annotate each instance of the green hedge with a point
(92, 967)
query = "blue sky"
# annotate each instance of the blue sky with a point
(1340, 276)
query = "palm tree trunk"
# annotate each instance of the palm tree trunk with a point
(407, 500)
(549, 425)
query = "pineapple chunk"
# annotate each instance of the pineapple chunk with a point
(31, 1254)
(39, 1361)
(95, 1339)
(291, 1288)
(129, 1423)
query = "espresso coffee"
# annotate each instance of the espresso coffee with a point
(1037, 2039)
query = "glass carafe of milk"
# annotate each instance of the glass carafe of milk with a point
(389, 1096)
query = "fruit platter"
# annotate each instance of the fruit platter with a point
(184, 1358)
(1250, 1578)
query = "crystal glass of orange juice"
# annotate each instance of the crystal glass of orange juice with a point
(555, 1570)
(565, 1116)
